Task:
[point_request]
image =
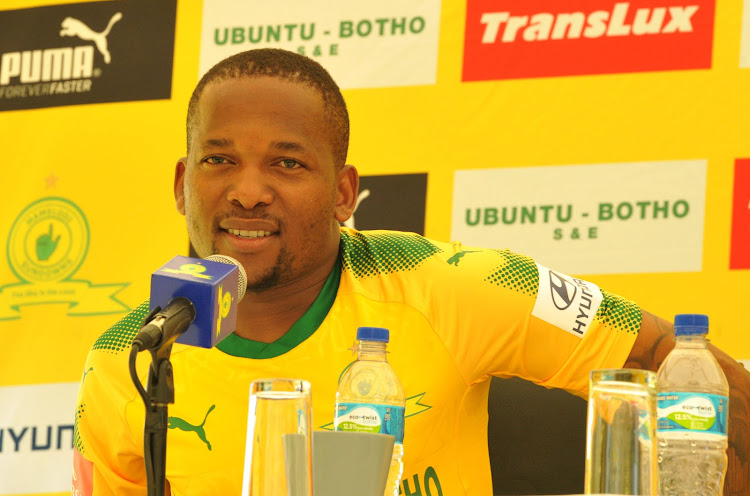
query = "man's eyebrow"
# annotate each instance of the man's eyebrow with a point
(218, 142)
(292, 146)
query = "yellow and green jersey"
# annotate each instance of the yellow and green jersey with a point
(456, 315)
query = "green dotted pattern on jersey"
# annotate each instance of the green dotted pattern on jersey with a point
(619, 313)
(120, 336)
(519, 273)
(77, 435)
(367, 255)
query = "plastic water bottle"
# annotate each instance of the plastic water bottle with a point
(370, 398)
(692, 410)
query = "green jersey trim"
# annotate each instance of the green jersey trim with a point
(302, 329)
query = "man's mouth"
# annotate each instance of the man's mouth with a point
(249, 234)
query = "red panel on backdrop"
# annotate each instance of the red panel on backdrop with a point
(740, 252)
(508, 39)
(83, 475)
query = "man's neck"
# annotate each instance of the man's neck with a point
(268, 315)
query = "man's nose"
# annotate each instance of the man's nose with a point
(250, 187)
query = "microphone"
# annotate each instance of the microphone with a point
(198, 300)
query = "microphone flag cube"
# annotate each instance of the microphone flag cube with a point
(211, 287)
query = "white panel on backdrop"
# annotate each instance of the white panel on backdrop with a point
(588, 219)
(36, 437)
(362, 44)
(745, 47)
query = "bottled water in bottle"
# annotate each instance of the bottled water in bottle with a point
(692, 412)
(370, 398)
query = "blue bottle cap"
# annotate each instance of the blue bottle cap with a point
(688, 324)
(373, 334)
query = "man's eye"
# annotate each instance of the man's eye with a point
(215, 160)
(290, 164)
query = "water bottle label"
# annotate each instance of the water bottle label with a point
(692, 412)
(367, 417)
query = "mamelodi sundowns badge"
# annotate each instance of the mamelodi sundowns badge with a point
(539, 38)
(47, 244)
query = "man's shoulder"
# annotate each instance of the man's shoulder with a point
(118, 337)
(383, 252)
(368, 253)
(398, 266)
(106, 378)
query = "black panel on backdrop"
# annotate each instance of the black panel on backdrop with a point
(391, 202)
(81, 53)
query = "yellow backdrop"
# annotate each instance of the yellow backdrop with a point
(115, 161)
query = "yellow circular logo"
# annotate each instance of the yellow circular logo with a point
(49, 241)
(192, 269)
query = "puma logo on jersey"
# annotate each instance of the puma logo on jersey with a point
(85, 373)
(184, 425)
(453, 260)
(74, 27)
(506, 28)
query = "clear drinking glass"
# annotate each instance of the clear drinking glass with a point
(278, 445)
(621, 433)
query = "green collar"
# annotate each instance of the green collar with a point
(302, 329)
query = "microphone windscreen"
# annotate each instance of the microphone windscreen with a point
(242, 282)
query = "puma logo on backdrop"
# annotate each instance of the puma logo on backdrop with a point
(74, 27)
(362, 195)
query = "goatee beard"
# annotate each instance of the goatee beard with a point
(268, 281)
(272, 277)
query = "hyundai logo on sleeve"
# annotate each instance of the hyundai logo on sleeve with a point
(563, 291)
(566, 302)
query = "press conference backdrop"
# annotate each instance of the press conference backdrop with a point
(608, 139)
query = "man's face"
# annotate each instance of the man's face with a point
(260, 183)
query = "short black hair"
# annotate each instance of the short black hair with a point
(289, 66)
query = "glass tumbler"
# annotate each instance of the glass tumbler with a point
(621, 433)
(278, 445)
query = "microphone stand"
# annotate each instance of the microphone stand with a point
(159, 394)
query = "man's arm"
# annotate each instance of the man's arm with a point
(655, 340)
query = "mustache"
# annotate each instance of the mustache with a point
(245, 214)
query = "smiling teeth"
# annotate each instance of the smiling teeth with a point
(249, 234)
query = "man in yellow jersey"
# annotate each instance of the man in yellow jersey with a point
(265, 181)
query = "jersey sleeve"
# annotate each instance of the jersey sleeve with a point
(108, 456)
(503, 314)
(496, 312)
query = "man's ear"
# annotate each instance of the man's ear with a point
(179, 185)
(347, 188)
